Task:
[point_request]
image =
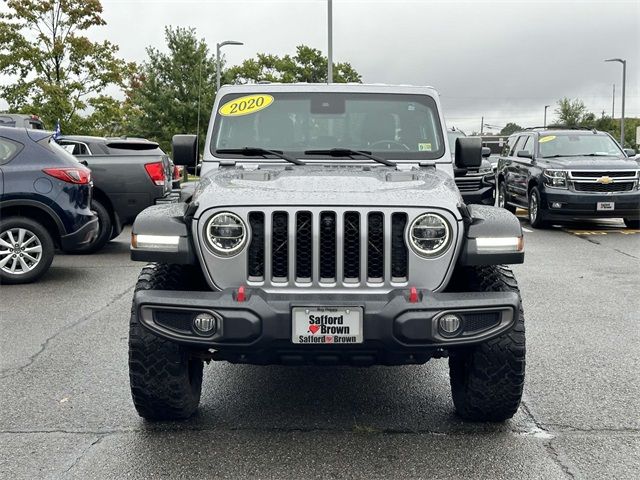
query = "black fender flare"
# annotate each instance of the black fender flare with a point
(487, 221)
(164, 220)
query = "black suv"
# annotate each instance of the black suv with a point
(44, 202)
(568, 174)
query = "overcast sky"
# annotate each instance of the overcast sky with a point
(503, 60)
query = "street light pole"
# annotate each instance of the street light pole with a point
(218, 46)
(330, 39)
(624, 81)
(545, 115)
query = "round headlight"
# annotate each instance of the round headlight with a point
(429, 235)
(226, 234)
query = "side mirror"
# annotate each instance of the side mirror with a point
(524, 154)
(184, 149)
(468, 152)
(630, 152)
(486, 152)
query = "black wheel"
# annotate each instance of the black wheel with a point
(26, 250)
(502, 198)
(487, 380)
(635, 224)
(104, 232)
(166, 380)
(536, 218)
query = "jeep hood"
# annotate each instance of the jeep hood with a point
(327, 185)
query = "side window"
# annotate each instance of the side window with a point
(518, 145)
(508, 145)
(528, 146)
(8, 150)
(74, 148)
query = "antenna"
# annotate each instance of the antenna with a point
(195, 167)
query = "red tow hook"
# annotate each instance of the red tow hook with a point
(413, 295)
(241, 296)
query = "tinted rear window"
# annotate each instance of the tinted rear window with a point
(134, 148)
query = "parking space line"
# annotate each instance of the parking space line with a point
(627, 231)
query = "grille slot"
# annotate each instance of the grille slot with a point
(399, 264)
(351, 244)
(327, 258)
(602, 188)
(304, 247)
(280, 247)
(468, 184)
(595, 175)
(375, 248)
(256, 248)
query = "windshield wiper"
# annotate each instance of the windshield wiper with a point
(347, 152)
(257, 151)
(580, 155)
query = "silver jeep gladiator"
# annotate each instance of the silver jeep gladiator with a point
(327, 229)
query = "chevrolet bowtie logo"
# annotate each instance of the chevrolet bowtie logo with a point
(605, 180)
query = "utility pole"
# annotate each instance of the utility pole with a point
(545, 115)
(330, 39)
(481, 125)
(613, 102)
(624, 81)
(218, 47)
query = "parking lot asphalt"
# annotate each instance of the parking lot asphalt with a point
(67, 412)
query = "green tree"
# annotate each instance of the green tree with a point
(54, 70)
(572, 113)
(510, 128)
(164, 96)
(307, 65)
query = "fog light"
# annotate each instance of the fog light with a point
(449, 324)
(205, 323)
(556, 205)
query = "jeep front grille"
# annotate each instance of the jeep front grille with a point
(327, 247)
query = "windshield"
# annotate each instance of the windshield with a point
(577, 145)
(392, 126)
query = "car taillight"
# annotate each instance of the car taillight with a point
(156, 172)
(78, 175)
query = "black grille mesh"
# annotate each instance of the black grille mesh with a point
(256, 248)
(476, 322)
(375, 249)
(280, 246)
(599, 187)
(352, 245)
(327, 245)
(304, 254)
(398, 247)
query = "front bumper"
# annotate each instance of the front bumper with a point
(258, 330)
(583, 205)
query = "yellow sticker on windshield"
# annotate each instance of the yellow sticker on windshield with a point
(548, 138)
(245, 105)
(424, 147)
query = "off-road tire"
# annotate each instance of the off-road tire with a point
(104, 230)
(634, 224)
(46, 243)
(487, 380)
(502, 191)
(536, 220)
(166, 379)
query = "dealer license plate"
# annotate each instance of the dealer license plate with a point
(605, 206)
(326, 325)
